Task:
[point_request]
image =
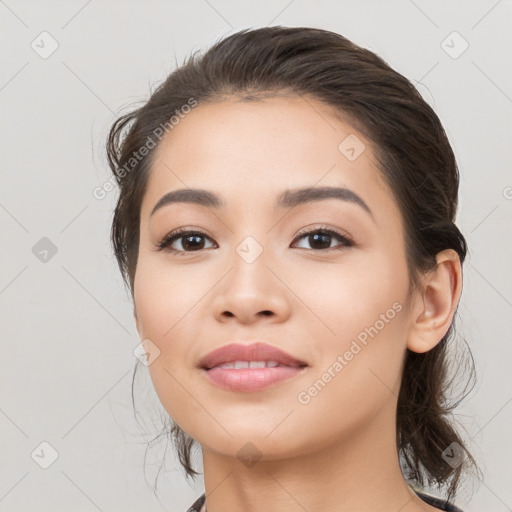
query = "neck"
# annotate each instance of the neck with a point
(358, 473)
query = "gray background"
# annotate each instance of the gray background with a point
(68, 333)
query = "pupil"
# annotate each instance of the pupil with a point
(194, 245)
(316, 237)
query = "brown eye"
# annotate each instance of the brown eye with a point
(191, 241)
(321, 239)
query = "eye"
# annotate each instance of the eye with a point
(191, 241)
(321, 239)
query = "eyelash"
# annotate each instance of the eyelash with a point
(168, 239)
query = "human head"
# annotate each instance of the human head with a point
(409, 146)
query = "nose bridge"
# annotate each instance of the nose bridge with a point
(250, 287)
(255, 247)
(251, 249)
(251, 234)
(249, 266)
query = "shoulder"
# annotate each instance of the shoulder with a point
(437, 502)
(196, 506)
(427, 498)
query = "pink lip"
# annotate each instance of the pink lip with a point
(255, 352)
(250, 379)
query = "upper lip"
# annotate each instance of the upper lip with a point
(254, 352)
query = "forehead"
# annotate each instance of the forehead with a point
(249, 152)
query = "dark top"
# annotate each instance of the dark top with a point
(427, 498)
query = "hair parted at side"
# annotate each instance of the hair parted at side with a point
(416, 161)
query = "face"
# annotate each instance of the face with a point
(335, 299)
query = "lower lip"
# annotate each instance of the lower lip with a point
(251, 379)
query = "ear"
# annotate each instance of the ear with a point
(435, 303)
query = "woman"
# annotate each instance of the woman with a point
(285, 225)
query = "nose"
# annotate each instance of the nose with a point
(252, 290)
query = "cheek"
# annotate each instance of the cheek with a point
(164, 299)
(357, 378)
(166, 312)
(362, 345)
(345, 298)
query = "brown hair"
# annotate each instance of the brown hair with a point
(416, 160)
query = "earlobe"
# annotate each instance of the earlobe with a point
(436, 303)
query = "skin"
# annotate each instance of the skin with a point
(338, 451)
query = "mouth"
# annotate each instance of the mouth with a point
(255, 355)
(239, 367)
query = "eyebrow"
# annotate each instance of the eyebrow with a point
(287, 198)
